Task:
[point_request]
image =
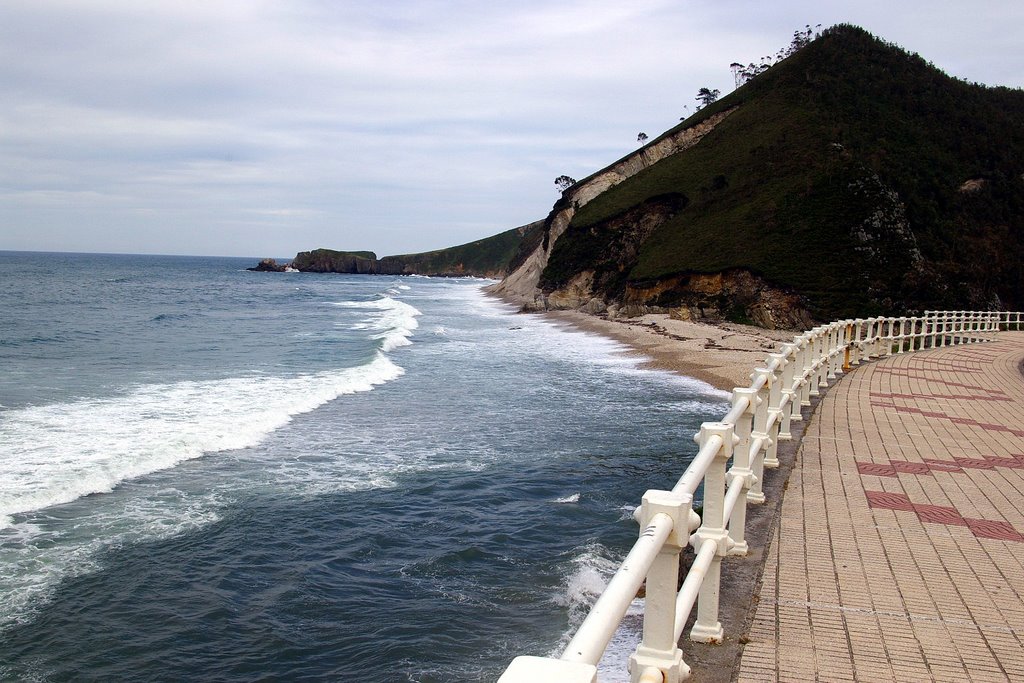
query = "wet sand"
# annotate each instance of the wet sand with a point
(723, 355)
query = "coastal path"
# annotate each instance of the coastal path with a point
(899, 555)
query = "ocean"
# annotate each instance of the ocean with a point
(211, 474)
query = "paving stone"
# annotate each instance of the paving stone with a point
(900, 546)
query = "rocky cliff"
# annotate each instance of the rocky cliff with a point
(523, 284)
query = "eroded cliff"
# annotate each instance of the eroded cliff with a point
(522, 285)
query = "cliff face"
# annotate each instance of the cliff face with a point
(523, 283)
(850, 179)
(330, 261)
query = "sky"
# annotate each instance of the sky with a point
(266, 127)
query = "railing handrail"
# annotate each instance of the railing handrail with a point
(747, 435)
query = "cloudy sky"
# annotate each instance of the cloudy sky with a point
(265, 127)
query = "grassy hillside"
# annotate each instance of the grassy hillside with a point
(489, 257)
(840, 175)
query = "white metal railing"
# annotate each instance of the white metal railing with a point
(748, 436)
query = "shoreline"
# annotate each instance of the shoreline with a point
(723, 355)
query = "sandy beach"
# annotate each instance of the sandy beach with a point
(723, 355)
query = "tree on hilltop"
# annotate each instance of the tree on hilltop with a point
(564, 182)
(801, 39)
(706, 96)
(737, 73)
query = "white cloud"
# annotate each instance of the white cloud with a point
(266, 127)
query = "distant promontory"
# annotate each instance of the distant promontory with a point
(493, 257)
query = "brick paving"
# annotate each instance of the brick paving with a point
(899, 555)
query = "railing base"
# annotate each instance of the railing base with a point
(671, 665)
(739, 549)
(707, 634)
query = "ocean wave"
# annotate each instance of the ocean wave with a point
(394, 324)
(61, 452)
(169, 317)
(586, 577)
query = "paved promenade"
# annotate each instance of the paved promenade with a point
(900, 551)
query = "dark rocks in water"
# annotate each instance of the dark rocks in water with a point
(269, 265)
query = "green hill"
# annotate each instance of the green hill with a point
(852, 177)
(489, 257)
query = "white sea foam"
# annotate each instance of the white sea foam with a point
(588, 575)
(58, 453)
(574, 498)
(395, 322)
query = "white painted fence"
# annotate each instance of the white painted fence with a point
(748, 435)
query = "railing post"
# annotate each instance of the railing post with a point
(814, 361)
(847, 366)
(659, 648)
(876, 337)
(707, 628)
(741, 468)
(823, 357)
(833, 349)
(793, 405)
(803, 369)
(856, 347)
(771, 459)
(756, 494)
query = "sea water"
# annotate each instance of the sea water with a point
(214, 474)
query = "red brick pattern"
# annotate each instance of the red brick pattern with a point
(945, 397)
(941, 514)
(876, 469)
(945, 366)
(1012, 463)
(889, 501)
(988, 426)
(943, 465)
(897, 467)
(911, 467)
(1001, 531)
(920, 375)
